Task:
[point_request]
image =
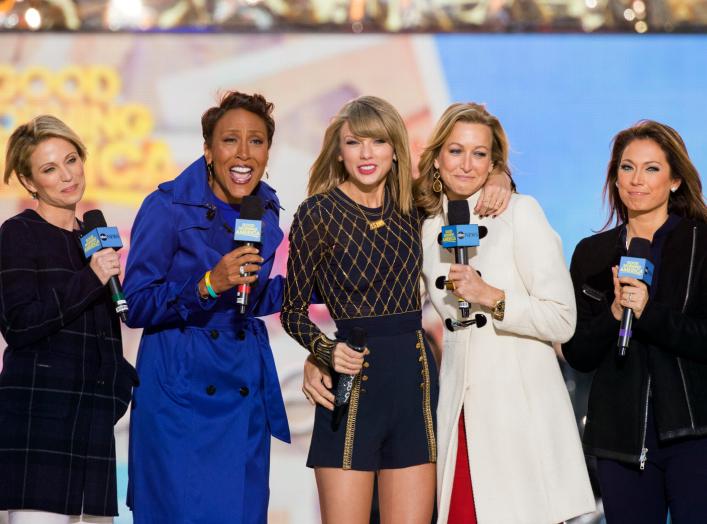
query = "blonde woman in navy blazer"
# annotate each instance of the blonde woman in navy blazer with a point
(64, 381)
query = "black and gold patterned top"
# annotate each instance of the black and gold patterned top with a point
(358, 271)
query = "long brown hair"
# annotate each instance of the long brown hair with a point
(687, 201)
(425, 198)
(368, 117)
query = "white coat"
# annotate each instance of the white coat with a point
(525, 456)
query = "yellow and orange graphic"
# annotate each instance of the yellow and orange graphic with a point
(124, 160)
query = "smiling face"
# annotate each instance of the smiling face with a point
(239, 154)
(464, 161)
(644, 178)
(57, 174)
(367, 161)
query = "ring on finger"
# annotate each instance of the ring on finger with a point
(241, 271)
(630, 297)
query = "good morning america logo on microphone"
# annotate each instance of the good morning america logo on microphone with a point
(100, 238)
(639, 268)
(247, 230)
(462, 235)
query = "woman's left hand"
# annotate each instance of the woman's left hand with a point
(634, 295)
(471, 287)
(494, 196)
(317, 384)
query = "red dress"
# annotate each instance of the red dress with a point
(461, 506)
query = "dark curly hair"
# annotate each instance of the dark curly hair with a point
(256, 104)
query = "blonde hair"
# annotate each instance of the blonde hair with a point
(25, 139)
(425, 198)
(368, 117)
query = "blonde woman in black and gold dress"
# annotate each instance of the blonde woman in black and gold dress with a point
(356, 241)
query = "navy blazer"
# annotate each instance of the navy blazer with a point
(64, 381)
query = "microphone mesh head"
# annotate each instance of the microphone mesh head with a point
(93, 219)
(458, 212)
(640, 248)
(251, 208)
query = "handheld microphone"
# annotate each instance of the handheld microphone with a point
(637, 265)
(357, 342)
(248, 231)
(460, 235)
(100, 236)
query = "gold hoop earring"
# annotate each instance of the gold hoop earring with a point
(436, 182)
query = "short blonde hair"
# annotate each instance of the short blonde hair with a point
(425, 198)
(368, 117)
(25, 139)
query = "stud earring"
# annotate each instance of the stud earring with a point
(34, 195)
(673, 189)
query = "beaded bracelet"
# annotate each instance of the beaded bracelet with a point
(207, 282)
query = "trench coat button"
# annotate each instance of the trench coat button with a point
(214, 334)
(210, 389)
(364, 378)
(244, 391)
(366, 364)
(240, 335)
(363, 390)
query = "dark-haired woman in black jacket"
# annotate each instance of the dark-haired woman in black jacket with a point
(647, 415)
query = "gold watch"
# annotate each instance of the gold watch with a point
(499, 309)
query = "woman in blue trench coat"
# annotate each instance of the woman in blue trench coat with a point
(210, 397)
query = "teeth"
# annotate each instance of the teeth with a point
(242, 170)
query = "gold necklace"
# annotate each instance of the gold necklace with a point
(376, 224)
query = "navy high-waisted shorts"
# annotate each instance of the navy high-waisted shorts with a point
(391, 419)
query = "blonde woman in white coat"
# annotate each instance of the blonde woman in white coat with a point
(500, 383)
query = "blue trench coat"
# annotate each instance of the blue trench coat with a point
(210, 397)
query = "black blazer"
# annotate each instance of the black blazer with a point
(668, 351)
(64, 381)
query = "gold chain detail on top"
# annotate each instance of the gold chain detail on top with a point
(376, 224)
(322, 349)
(355, 273)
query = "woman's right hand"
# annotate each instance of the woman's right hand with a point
(227, 273)
(105, 264)
(346, 360)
